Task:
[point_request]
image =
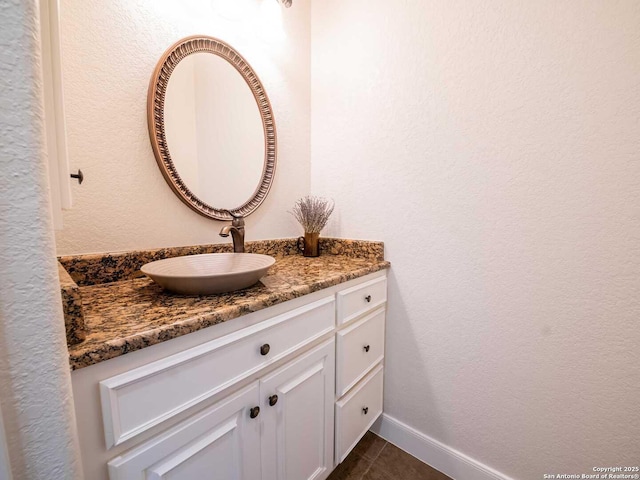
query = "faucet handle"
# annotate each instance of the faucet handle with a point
(238, 220)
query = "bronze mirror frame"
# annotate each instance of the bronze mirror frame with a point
(155, 119)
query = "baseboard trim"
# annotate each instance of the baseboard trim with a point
(442, 457)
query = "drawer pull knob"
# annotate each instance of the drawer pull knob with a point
(264, 349)
(365, 410)
(366, 348)
(273, 399)
(368, 298)
(254, 412)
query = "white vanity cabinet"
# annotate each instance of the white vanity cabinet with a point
(279, 394)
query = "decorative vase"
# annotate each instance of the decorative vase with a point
(310, 244)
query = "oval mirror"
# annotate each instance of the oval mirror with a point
(212, 128)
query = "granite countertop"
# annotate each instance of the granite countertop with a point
(131, 313)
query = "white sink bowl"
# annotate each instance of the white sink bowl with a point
(208, 273)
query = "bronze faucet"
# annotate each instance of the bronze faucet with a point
(236, 229)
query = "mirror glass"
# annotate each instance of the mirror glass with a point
(214, 131)
(211, 128)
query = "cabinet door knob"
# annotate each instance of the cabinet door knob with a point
(368, 298)
(273, 399)
(366, 348)
(365, 410)
(254, 412)
(264, 349)
(79, 176)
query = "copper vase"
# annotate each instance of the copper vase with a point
(310, 244)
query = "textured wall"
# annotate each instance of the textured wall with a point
(5, 465)
(494, 146)
(109, 52)
(35, 386)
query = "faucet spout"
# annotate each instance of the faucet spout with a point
(236, 229)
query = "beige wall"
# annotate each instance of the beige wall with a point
(109, 52)
(5, 466)
(492, 145)
(36, 402)
(495, 147)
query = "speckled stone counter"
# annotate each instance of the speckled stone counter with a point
(124, 312)
(71, 307)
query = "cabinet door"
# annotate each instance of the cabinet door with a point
(222, 442)
(297, 401)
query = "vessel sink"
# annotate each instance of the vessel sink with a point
(208, 273)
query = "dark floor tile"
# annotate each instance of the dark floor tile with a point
(379, 474)
(399, 465)
(352, 468)
(370, 446)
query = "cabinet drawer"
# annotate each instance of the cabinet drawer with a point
(360, 299)
(137, 400)
(357, 411)
(359, 347)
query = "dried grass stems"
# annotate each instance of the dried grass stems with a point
(312, 213)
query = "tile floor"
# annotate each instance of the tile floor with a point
(376, 459)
